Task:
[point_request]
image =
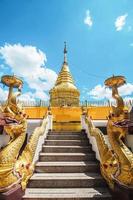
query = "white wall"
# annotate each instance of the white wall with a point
(32, 124)
(103, 123)
(100, 123)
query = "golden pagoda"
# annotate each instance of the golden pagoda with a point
(64, 93)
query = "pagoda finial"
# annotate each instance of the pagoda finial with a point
(65, 53)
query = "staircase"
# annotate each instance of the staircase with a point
(67, 170)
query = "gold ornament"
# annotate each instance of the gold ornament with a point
(16, 169)
(116, 162)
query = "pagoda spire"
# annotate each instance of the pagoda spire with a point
(64, 91)
(65, 53)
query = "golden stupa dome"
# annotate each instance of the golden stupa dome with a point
(64, 91)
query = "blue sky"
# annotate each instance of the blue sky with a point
(99, 36)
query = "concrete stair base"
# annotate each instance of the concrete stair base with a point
(66, 142)
(46, 157)
(66, 180)
(66, 137)
(64, 149)
(66, 167)
(67, 170)
(69, 194)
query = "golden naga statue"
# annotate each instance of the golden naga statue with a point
(116, 161)
(16, 169)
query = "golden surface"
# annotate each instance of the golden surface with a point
(67, 126)
(36, 112)
(66, 118)
(24, 165)
(115, 81)
(66, 114)
(16, 169)
(17, 130)
(117, 161)
(64, 93)
(99, 113)
(96, 113)
(11, 81)
(108, 162)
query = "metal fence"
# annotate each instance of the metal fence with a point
(41, 103)
(94, 103)
(37, 103)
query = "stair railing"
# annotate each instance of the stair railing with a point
(47, 122)
(26, 162)
(87, 125)
(112, 169)
(104, 154)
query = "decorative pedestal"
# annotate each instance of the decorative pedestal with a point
(122, 193)
(15, 193)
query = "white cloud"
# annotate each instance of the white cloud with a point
(29, 63)
(126, 89)
(120, 22)
(88, 19)
(28, 96)
(3, 94)
(127, 99)
(41, 95)
(25, 97)
(101, 92)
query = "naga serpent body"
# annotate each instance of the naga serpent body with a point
(117, 129)
(15, 125)
(16, 168)
(116, 161)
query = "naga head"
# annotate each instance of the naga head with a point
(12, 113)
(114, 82)
(118, 118)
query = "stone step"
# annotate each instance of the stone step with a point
(65, 133)
(66, 157)
(66, 180)
(66, 137)
(67, 194)
(66, 149)
(66, 167)
(66, 142)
